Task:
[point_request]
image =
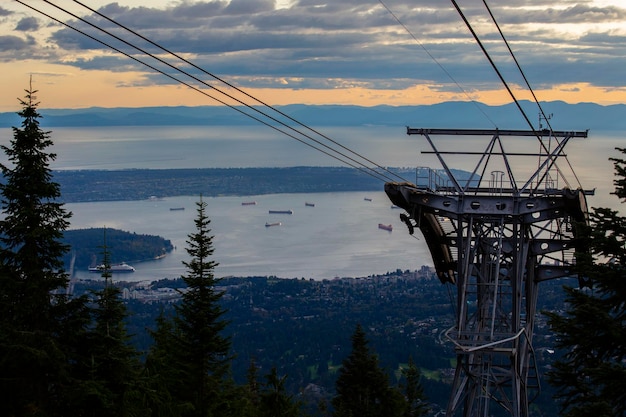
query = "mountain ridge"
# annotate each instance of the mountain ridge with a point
(462, 114)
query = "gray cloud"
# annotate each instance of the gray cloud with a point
(319, 43)
(27, 24)
(5, 12)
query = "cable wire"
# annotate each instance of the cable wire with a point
(436, 62)
(214, 88)
(365, 169)
(231, 86)
(546, 118)
(493, 65)
(495, 68)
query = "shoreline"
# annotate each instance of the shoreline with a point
(141, 184)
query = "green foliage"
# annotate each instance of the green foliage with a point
(161, 371)
(413, 391)
(203, 350)
(274, 399)
(591, 374)
(33, 361)
(122, 246)
(33, 222)
(113, 363)
(190, 354)
(363, 387)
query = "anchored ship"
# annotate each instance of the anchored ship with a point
(123, 267)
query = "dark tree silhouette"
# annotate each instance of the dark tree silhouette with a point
(591, 373)
(191, 355)
(414, 391)
(363, 387)
(32, 281)
(274, 399)
(113, 366)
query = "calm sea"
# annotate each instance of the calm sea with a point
(339, 236)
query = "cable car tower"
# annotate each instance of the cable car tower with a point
(495, 237)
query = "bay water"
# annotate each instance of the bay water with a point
(339, 236)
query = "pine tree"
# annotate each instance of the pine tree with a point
(194, 368)
(591, 374)
(274, 400)
(113, 363)
(414, 391)
(161, 371)
(363, 387)
(32, 280)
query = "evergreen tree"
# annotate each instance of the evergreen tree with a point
(363, 387)
(591, 374)
(113, 364)
(414, 391)
(32, 281)
(274, 400)
(191, 354)
(161, 371)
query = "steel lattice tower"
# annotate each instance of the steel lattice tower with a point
(495, 239)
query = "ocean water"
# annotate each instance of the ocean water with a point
(337, 237)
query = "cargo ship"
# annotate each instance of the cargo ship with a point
(249, 203)
(281, 211)
(307, 204)
(273, 224)
(387, 227)
(177, 208)
(123, 267)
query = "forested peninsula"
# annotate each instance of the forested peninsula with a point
(87, 246)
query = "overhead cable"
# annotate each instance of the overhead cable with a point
(436, 61)
(521, 71)
(355, 164)
(517, 103)
(230, 85)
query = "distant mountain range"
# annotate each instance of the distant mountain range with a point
(473, 115)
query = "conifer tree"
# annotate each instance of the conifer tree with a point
(591, 373)
(363, 387)
(195, 366)
(414, 391)
(274, 400)
(32, 280)
(113, 363)
(161, 371)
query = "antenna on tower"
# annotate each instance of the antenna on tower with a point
(547, 118)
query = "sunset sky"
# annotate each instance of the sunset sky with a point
(362, 52)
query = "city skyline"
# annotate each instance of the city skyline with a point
(309, 52)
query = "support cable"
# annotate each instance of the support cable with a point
(437, 62)
(371, 171)
(495, 68)
(364, 169)
(231, 86)
(545, 117)
(493, 65)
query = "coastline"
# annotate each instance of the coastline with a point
(141, 184)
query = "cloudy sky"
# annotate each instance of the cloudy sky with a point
(364, 52)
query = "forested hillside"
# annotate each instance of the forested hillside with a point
(87, 246)
(302, 327)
